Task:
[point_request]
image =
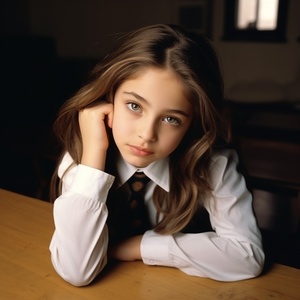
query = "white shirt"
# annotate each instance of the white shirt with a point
(233, 251)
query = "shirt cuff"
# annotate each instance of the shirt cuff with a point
(90, 182)
(155, 249)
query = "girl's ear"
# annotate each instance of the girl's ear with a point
(109, 117)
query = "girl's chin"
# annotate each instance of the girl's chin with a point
(137, 165)
(137, 162)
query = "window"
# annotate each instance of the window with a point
(256, 20)
(261, 15)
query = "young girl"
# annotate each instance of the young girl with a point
(153, 106)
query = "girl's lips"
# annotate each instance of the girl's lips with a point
(140, 151)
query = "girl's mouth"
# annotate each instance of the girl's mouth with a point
(140, 151)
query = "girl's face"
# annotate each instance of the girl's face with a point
(151, 116)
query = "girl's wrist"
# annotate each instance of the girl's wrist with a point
(94, 160)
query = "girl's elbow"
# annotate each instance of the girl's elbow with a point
(253, 266)
(79, 275)
(251, 261)
(254, 270)
(246, 267)
(258, 265)
(81, 279)
(77, 279)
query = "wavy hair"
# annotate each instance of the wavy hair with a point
(195, 62)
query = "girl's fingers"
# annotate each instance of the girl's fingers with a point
(92, 122)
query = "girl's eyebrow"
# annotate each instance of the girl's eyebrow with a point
(136, 96)
(176, 111)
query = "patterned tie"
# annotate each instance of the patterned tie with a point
(138, 213)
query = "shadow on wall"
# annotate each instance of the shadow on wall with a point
(35, 82)
(266, 92)
(278, 216)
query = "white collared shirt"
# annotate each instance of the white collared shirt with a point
(158, 172)
(233, 251)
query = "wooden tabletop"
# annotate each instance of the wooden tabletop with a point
(26, 227)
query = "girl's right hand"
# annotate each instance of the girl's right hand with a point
(92, 123)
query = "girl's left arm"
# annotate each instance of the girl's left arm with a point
(233, 251)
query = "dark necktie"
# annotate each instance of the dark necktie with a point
(137, 213)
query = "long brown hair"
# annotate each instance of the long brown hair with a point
(194, 60)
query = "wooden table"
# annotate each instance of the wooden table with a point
(26, 227)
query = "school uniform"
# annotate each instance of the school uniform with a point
(229, 249)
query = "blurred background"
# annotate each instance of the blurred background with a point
(48, 48)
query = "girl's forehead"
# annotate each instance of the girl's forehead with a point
(184, 86)
(155, 81)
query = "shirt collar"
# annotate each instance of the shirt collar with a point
(157, 171)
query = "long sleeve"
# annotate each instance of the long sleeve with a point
(233, 251)
(79, 243)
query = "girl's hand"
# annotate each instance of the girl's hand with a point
(128, 250)
(92, 123)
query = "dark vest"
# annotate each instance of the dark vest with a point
(117, 204)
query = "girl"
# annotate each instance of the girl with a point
(153, 106)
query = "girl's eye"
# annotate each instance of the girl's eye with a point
(172, 121)
(133, 106)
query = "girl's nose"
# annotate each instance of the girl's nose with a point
(148, 133)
